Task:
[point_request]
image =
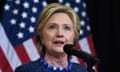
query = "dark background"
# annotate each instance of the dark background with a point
(105, 29)
(103, 15)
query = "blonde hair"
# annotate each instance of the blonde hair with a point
(49, 10)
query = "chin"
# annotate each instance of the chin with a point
(59, 51)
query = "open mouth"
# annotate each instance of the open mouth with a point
(59, 42)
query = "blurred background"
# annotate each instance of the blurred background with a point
(103, 15)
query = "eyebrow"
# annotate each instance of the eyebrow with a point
(63, 24)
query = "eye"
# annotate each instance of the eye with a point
(52, 26)
(67, 28)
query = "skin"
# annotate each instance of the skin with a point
(57, 32)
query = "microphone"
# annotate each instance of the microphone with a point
(71, 50)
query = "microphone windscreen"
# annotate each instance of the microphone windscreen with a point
(68, 48)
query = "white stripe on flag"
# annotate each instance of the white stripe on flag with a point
(75, 59)
(31, 49)
(0, 70)
(84, 45)
(8, 50)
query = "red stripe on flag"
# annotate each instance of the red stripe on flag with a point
(80, 59)
(90, 42)
(4, 64)
(92, 48)
(22, 53)
(34, 41)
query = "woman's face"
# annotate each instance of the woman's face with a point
(57, 32)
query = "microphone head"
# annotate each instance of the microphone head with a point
(67, 48)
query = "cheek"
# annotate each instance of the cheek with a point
(46, 38)
(70, 37)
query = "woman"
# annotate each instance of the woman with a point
(57, 25)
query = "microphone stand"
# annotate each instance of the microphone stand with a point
(90, 67)
(91, 63)
(90, 60)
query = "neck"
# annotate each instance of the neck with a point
(60, 60)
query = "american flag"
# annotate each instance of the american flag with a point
(17, 31)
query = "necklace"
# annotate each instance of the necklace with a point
(54, 68)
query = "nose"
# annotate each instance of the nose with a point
(60, 33)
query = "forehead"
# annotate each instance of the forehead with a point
(60, 17)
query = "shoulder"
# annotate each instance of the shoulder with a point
(28, 67)
(79, 67)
